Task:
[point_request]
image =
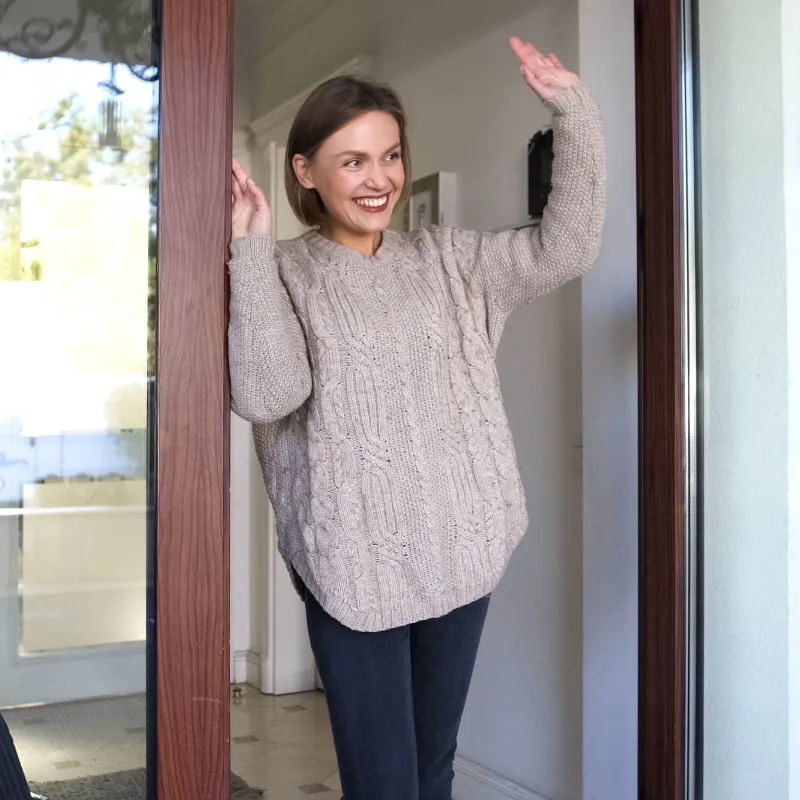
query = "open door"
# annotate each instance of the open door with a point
(114, 400)
(719, 194)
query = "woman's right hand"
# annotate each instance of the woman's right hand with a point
(250, 214)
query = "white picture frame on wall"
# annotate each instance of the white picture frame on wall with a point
(433, 202)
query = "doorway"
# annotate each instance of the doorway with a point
(523, 729)
(191, 527)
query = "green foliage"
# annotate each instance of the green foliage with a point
(64, 147)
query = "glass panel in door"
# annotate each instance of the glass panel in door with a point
(748, 312)
(78, 145)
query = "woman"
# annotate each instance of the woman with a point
(365, 360)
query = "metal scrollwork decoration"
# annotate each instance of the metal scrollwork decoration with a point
(127, 32)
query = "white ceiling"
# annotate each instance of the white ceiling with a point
(263, 25)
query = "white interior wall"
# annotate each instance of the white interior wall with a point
(472, 114)
(610, 469)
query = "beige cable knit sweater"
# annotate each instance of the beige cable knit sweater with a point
(372, 387)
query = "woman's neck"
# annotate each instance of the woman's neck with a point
(365, 243)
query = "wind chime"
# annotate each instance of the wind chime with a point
(110, 115)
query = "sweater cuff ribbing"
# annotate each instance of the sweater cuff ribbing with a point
(252, 247)
(574, 97)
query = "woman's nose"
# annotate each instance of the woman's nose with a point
(377, 178)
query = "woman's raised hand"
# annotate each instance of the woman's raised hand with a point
(544, 74)
(250, 214)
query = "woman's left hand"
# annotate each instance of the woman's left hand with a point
(544, 74)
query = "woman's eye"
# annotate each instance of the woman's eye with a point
(354, 163)
(394, 156)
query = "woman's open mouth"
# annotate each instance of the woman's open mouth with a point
(373, 205)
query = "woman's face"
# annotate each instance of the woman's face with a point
(358, 172)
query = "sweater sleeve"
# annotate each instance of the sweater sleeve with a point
(514, 267)
(267, 354)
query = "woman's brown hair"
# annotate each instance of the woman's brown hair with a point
(331, 106)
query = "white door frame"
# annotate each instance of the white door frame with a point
(287, 661)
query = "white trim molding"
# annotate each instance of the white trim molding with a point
(263, 127)
(247, 668)
(474, 782)
(241, 147)
(286, 663)
(267, 576)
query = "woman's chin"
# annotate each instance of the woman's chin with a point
(372, 223)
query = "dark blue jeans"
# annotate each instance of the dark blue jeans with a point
(396, 699)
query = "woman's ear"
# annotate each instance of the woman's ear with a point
(302, 168)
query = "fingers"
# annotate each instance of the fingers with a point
(538, 86)
(236, 188)
(528, 54)
(245, 188)
(527, 74)
(258, 196)
(240, 176)
(532, 58)
(518, 46)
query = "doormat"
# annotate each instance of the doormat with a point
(129, 785)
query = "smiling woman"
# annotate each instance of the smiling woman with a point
(365, 360)
(347, 160)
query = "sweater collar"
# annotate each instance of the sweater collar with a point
(325, 250)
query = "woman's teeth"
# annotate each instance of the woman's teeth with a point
(373, 202)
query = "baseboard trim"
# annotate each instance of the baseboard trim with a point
(247, 667)
(295, 682)
(474, 782)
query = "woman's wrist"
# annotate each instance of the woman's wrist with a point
(252, 246)
(569, 98)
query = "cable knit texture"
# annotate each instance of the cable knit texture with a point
(372, 387)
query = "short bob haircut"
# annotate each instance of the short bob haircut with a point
(331, 106)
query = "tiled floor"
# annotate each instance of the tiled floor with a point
(284, 745)
(280, 744)
(66, 741)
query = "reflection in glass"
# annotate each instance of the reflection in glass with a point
(77, 326)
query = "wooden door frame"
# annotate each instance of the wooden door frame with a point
(192, 556)
(662, 548)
